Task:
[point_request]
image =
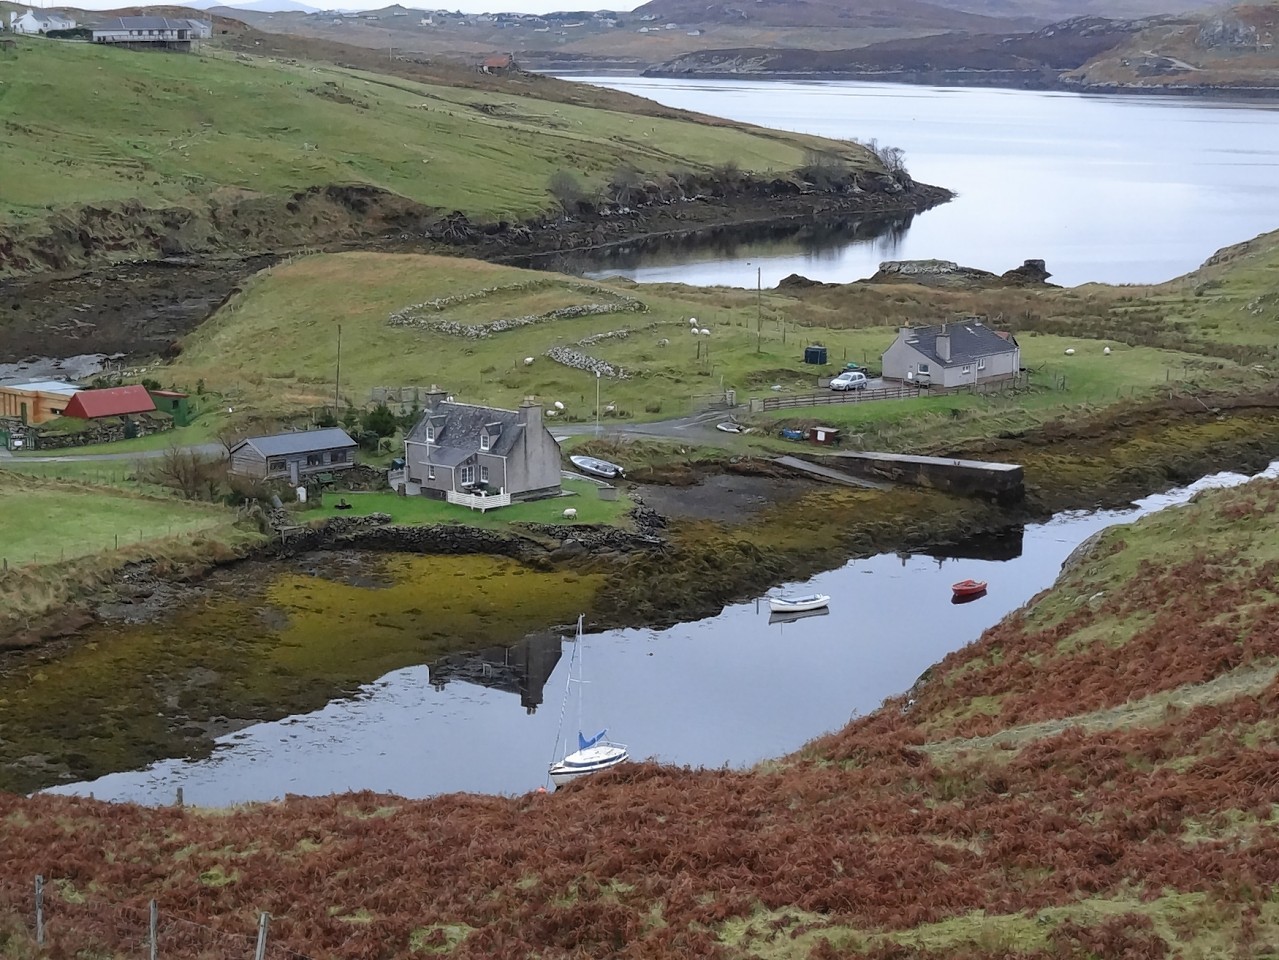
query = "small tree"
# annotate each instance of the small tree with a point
(380, 420)
(625, 183)
(566, 189)
(195, 477)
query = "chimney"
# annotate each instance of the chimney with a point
(433, 397)
(531, 414)
(906, 331)
(943, 344)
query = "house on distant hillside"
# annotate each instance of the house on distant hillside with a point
(460, 448)
(498, 63)
(294, 456)
(952, 354)
(110, 402)
(39, 23)
(146, 33)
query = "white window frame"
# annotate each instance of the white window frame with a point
(981, 364)
(484, 474)
(484, 441)
(468, 475)
(923, 368)
(430, 473)
(965, 369)
(430, 433)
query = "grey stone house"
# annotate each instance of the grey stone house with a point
(462, 448)
(294, 456)
(952, 354)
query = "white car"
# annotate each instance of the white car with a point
(849, 380)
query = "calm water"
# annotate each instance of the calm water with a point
(730, 690)
(1110, 189)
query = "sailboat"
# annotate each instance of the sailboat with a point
(593, 754)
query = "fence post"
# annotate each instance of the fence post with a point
(260, 952)
(153, 931)
(39, 910)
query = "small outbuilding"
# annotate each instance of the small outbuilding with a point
(294, 456)
(36, 401)
(826, 436)
(175, 403)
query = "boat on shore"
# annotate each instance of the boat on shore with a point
(597, 467)
(728, 426)
(968, 588)
(798, 604)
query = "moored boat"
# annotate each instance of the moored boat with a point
(728, 426)
(798, 604)
(597, 467)
(969, 588)
(591, 756)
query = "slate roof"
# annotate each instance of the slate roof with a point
(458, 426)
(299, 441)
(111, 402)
(970, 340)
(143, 23)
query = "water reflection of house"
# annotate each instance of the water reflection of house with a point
(522, 669)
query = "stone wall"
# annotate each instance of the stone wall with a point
(102, 430)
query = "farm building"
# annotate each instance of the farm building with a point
(110, 402)
(39, 23)
(175, 403)
(459, 449)
(35, 402)
(146, 33)
(952, 354)
(294, 456)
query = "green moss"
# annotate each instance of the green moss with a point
(438, 938)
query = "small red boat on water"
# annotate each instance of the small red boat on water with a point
(969, 588)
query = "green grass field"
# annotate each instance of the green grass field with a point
(87, 124)
(419, 510)
(48, 522)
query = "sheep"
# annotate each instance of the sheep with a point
(1106, 351)
(528, 361)
(1070, 351)
(664, 342)
(570, 514)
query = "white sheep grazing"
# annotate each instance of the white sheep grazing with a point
(1106, 351)
(570, 514)
(528, 361)
(1070, 351)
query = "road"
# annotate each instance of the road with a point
(202, 449)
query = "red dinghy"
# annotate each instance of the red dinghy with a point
(969, 588)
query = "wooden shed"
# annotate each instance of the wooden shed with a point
(826, 436)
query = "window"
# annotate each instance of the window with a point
(965, 369)
(430, 434)
(430, 473)
(337, 456)
(981, 364)
(484, 474)
(468, 476)
(484, 441)
(275, 466)
(313, 459)
(923, 368)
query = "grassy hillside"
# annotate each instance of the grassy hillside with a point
(1095, 777)
(273, 349)
(85, 124)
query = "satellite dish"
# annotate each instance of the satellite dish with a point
(558, 405)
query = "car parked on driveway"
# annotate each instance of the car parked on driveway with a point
(849, 380)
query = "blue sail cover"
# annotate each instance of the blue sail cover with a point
(583, 743)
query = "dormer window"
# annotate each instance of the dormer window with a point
(430, 434)
(484, 441)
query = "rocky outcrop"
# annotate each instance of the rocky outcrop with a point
(947, 273)
(1226, 32)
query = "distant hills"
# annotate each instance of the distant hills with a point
(259, 6)
(825, 13)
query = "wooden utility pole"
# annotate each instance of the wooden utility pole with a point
(759, 309)
(337, 375)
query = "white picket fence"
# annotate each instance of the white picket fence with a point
(479, 502)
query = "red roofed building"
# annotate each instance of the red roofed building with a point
(111, 402)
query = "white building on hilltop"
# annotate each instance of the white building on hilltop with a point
(39, 23)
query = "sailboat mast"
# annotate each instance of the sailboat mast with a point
(580, 618)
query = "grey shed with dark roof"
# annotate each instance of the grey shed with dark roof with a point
(293, 456)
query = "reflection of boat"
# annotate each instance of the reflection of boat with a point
(593, 754)
(813, 601)
(798, 615)
(728, 426)
(597, 467)
(969, 588)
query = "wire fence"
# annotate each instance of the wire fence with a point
(63, 922)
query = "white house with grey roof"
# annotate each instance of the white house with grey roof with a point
(463, 448)
(294, 456)
(32, 22)
(952, 354)
(138, 33)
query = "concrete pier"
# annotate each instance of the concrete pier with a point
(1002, 482)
